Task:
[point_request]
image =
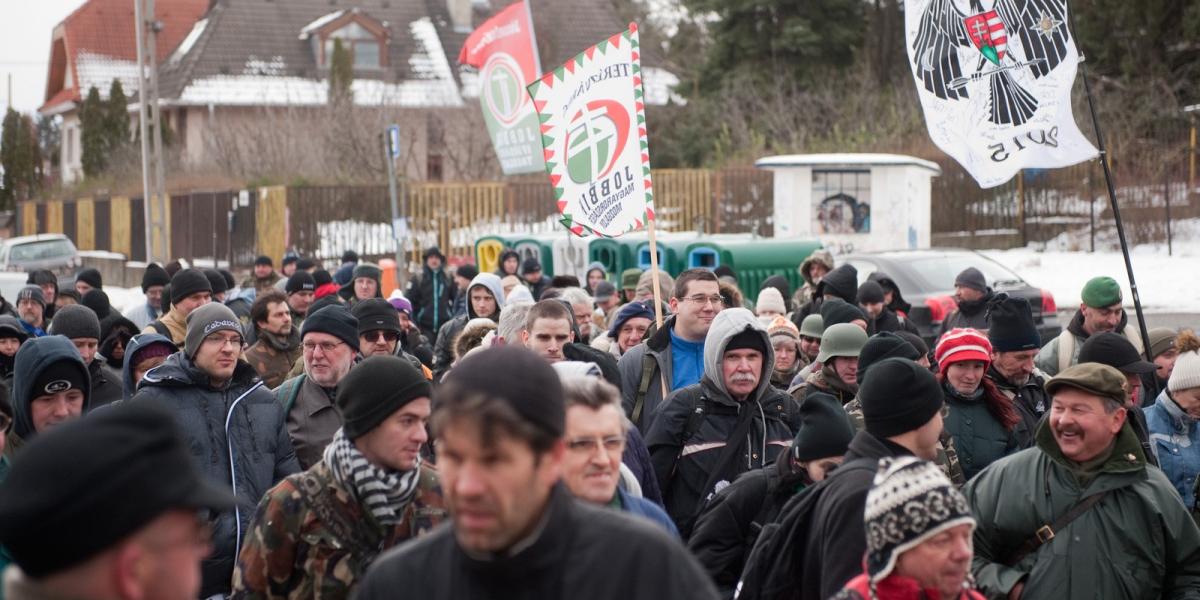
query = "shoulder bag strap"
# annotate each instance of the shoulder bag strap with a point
(639, 401)
(1045, 533)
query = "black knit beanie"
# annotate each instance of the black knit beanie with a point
(90, 276)
(537, 395)
(98, 301)
(1012, 327)
(216, 281)
(154, 275)
(750, 339)
(188, 282)
(335, 321)
(374, 389)
(375, 314)
(300, 281)
(882, 346)
(75, 321)
(870, 293)
(825, 428)
(834, 311)
(898, 396)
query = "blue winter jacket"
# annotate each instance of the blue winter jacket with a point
(645, 508)
(1175, 438)
(257, 437)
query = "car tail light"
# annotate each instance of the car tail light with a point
(1049, 307)
(940, 307)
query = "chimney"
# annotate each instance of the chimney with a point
(460, 15)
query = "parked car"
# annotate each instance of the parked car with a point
(53, 251)
(926, 279)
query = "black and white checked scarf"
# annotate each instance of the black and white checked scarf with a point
(383, 492)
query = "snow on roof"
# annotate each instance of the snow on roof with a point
(100, 71)
(186, 45)
(268, 90)
(846, 160)
(320, 22)
(429, 61)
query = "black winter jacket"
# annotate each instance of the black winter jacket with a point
(973, 314)
(841, 282)
(107, 386)
(257, 437)
(834, 549)
(582, 551)
(431, 294)
(729, 525)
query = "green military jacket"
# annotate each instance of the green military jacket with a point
(1137, 542)
(947, 457)
(291, 552)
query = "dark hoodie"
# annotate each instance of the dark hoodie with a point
(841, 282)
(972, 314)
(139, 342)
(33, 358)
(115, 328)
(507, 254)
(898, 305)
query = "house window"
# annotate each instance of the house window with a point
(364, 46)
(841, 201)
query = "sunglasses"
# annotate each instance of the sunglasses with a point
(373, 336)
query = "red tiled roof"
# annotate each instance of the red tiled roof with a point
(107, 28)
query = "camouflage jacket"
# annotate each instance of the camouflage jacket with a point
(273, 357)
(291, 552)
(947, 457)
(824, 380)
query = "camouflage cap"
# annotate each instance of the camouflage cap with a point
(1093, 378)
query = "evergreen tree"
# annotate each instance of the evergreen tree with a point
(116, 125)
(94, 137)
(20, 159)
(341, 73)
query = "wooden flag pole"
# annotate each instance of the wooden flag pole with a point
(658, 316)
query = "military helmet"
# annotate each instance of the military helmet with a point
(842, 339)
(812, 326)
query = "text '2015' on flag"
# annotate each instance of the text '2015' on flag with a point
(995, 83)
(505, 51)
(593, 131)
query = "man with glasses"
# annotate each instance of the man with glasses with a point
(673, 357)
(1100, 311)
(329, 343)
(380, 332)
(155, 528)
(234, 428)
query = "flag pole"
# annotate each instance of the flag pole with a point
(1112, 191)
(658, 316)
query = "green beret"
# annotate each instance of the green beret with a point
(1101, 292)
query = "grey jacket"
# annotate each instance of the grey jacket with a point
(243, 420)
(312, 417)
(658, 348)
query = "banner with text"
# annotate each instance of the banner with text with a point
(504, 51)
(593, 123)
(995, 84)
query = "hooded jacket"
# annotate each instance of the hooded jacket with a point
(137, 343)
(31, 360)
(685, 453)
(1048, 358)
(237, 437)
(507, 254)
(1138, 542)
(443, 348)
(841, 282)
(658, 348)
(107, 384)
(431, 295)
(898, 305)
(1175, 439)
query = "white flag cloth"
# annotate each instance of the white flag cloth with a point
(995, 83)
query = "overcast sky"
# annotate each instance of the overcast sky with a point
(25, 27)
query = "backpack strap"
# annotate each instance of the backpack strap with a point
(639, 400)
(161, 328)
(1066, 348)
(292, 392)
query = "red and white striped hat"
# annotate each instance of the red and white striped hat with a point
(959, 345)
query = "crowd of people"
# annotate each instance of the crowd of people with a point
(509, 434)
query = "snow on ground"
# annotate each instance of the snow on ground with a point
(123, 299)
(1166, 283)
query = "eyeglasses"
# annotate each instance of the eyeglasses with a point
(326, 347)
(702, 299)
(220, 342)
(612, 444)
(373, 336)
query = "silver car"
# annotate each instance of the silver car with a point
(52, 251)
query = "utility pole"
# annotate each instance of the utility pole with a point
(154, 200)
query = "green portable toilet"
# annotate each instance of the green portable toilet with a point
(754, 260)
(616, 254)
(672, 253)
(539, 246)
(488, 250)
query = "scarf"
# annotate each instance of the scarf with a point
(384, 493)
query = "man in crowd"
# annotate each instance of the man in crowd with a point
(583, 312)
(514, 525)
(154, 279)
(838, 376)
(432, 294)
(217, 282)
(812, 270)
(597, 434)
(1100, 311)
(1115, 351)
(925, 556)
(548, 330)
(485, 298)
(1164, 353)
(728, 526)
(87, 280)
(811, 330)
(412, 340)
(629, 283)
(316, 532)
(51, 386)
(329, 342)
(48, 281)
(462, 278)
(12, 335)
(1080, 515)
(532, 277)
(301, 292)
(345, 270)
(902, 414)
(190, 290)
(972, 295)
(732, 421)
(264, 277)
(628, 328)
(151, 541)
(79, 324)
(880, 318)
(31, 307)
(145, 351)
(234, 428)
(605, 298)
(672, 358)
(278, 342)
(366, 283)
(1015, 343)
(510, 329)
(841, 283)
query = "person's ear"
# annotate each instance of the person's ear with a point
(1118, 420)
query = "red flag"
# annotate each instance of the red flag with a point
(508, 31)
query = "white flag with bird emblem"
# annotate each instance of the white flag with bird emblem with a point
(995, 83)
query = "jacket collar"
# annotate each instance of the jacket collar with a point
(867, 445)
(540, 554)
(1179, 419)
(1076, 325)
(281, 344)
(660, 340)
